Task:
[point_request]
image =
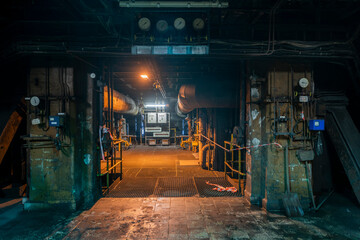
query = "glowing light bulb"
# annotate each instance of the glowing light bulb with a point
(144, 76)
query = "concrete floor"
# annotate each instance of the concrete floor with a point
(179, 218)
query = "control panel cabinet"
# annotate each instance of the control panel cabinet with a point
(157, 127)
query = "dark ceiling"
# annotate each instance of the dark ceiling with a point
(99, 29)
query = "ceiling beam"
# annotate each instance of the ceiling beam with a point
(174, 4)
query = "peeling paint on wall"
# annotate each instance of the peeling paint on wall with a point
(87, 158)
(255, 93)
(255, 142)
(261, 120)
(254, 114)
(250, 122)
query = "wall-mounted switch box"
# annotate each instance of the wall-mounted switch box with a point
(56, 121)
(317, 125)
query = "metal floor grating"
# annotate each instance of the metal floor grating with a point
(159, 172)
(169, 187)
(205, 190)
(175, 187)
(133, 188)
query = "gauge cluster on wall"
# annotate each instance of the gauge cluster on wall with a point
(171, 28)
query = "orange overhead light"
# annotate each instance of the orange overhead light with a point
(144, 76)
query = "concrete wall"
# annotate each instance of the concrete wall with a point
(265, 180)
(61, 175)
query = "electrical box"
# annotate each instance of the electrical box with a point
(303, 99)
(162, 117)
(56, 121)
(157, 126)
(151, 118)
(165, 142)
(305, 155)
(152, 142)
(317, 125)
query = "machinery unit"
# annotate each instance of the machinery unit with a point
(157, 128)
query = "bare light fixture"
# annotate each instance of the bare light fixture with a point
(156, 84)
(154, 105)
(144, 76)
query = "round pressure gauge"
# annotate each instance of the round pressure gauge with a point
(198, 24)
(179, 23)
(144, 24)
(162, 25)
(34, 101)
(92, 75)
(303, 82)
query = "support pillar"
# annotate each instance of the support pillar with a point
(202, 131)
(254, 136)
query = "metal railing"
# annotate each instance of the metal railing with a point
(112, 162)
(232, 163)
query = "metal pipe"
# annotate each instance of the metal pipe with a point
(191, 97)
(121, 103)
(202, 131)
(188, 119)
(203, 155)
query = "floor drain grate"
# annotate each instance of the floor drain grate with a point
(133, 187)
(206, 190)
(175, 187)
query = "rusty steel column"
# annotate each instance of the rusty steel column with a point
(202, 131)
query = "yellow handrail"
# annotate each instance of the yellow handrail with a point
(120, 140)
(234, 170)
(108, 171)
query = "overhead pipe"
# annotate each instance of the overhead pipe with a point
(205, 96)
(121, 103)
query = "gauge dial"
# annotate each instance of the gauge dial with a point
(179, 23)
(144, 24)
(162, 25)
(198, 24)
(303, 82)
(34, 101)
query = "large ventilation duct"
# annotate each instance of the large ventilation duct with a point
(205, 96)
(121, 103)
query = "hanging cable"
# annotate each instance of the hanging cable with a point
(239, 147)
(47, 107)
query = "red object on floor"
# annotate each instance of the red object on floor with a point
(220, 188)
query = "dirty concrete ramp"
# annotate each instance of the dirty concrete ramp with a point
(346, 140)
